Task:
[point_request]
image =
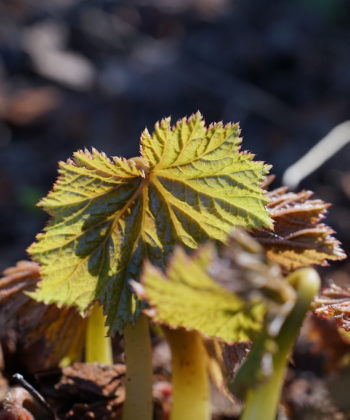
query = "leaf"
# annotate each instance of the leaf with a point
(298, 239)
(235, 296)
(187, 296)
(222, 297)
(334, 303)
(224, 362)
(244, 269)
(60, 330)
(16, 279)
(191, 183)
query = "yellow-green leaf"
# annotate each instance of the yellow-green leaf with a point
(190, 183)
(187, 296)
(223, 296)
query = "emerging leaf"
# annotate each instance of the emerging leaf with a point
(245, 269)
(221, 297)
(334, 303)
(187, 296)
(298, 239)
(233, 297)
(191, 183)
(60, 331)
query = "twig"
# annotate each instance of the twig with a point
(328, 146)
(19, 379)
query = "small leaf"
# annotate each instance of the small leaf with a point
(334, 303)
(187, 296)
(60, 331)
(245, 269)
(190, 184)
(236, 296)
(222, 297)
(298, 239)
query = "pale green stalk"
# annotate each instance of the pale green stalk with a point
(262, 401)
(138, 404)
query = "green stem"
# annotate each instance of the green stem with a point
(138, 352)
(191, 397)
(262, 401)
(98, 344)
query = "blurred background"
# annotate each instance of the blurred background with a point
(77, 74)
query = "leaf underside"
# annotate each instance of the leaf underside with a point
(191, 183)
(298, 239)
(334, 303)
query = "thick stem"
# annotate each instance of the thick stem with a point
(98, 344)
(191, 395)
(138, 352)
(262, 401)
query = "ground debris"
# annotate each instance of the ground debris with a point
(309, 399)
(88, 391)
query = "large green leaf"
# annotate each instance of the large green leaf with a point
(191, 183)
